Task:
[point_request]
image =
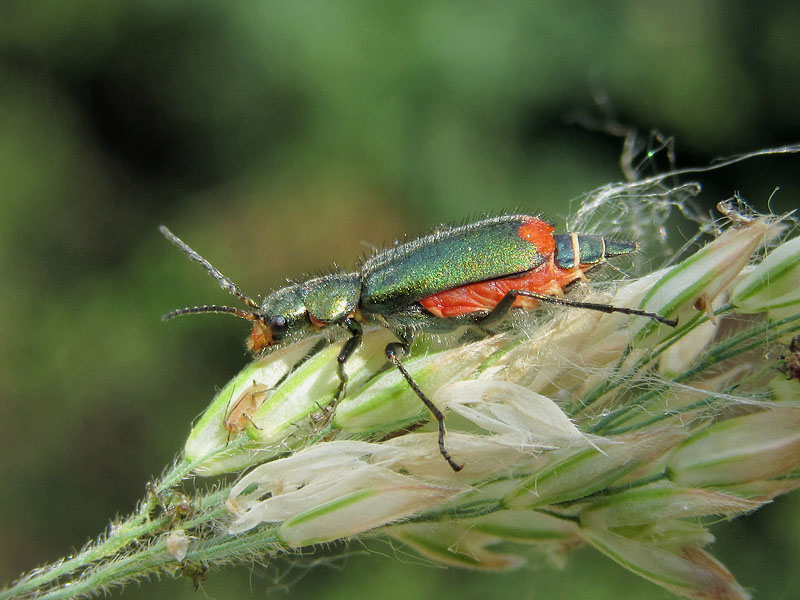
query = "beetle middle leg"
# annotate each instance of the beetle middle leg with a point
(392, 351)
(325, 413)
(502, 308)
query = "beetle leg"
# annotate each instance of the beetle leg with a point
(502, 308)
(497, 314)
(354, 327)
(392, 351)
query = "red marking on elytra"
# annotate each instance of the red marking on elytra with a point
(540, 234)
(483, 296)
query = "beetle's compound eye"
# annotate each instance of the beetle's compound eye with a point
(278, 325)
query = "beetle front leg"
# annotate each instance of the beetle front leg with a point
(502, 307)
(350, 346)
(392, 351)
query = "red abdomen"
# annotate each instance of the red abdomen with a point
(483, 296)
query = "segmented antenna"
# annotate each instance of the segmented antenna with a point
(225, 283)
(190, 310)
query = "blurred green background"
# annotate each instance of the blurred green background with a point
(278, 138)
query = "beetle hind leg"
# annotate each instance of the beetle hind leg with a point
(502, 307)
(392, 351)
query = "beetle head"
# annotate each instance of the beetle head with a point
(282, 315)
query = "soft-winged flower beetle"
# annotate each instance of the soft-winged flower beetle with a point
(469, 275)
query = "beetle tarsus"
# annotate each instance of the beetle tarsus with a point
(392, 351)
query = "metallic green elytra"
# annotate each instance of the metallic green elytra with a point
(470, 275)
(449, 259)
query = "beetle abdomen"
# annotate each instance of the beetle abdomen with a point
(568, 257)
(587, 249)
(485, 295)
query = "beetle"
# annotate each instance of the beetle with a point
(467, 275)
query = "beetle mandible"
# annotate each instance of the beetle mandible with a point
(468, 275)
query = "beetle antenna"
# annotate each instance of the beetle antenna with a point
(236, 312)
(225, 283)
